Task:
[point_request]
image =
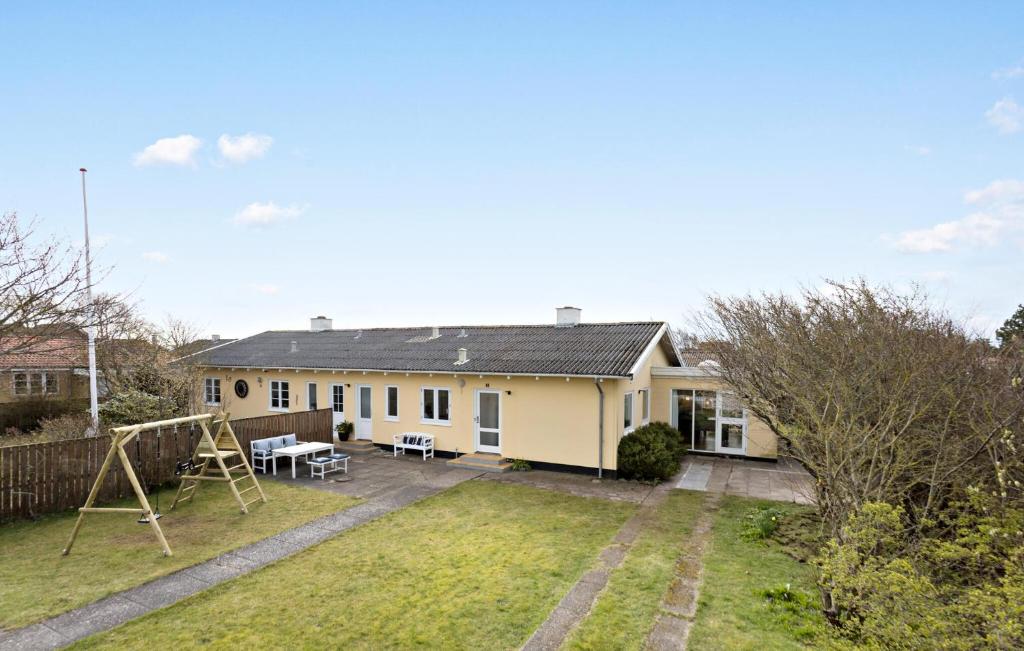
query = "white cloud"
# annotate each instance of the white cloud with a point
(156, 256)
(1000, 211)
(1000, 192)
(266, 290)
(180, 150)
(1009, 73)
(1006, 116)
(264, 214)
(974, 229)
(240, 149)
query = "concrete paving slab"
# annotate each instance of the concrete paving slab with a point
(38, 636)
(165, 590)
(98, 616)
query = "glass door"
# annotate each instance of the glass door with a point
(338, 403)
(488, 421)
(732, 425)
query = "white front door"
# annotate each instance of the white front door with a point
(730, 425)
(364, 410)
(488, 421)
(337, 397)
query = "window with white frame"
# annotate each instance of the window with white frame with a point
(35, 384)
(391, 403)
(435, 406)
(311, 395)
(645, 406)
(627, 412)
(279, 395)
(211, 390)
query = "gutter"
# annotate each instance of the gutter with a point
(600, 428)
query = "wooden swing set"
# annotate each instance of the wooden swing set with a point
(209, 462)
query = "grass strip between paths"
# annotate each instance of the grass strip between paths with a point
(732, 611)
(114, 553)
(479, 566)
(628, 606)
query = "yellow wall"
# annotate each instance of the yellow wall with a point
(761, 441)
(547, 419)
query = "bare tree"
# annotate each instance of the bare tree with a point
(43, 292)
(881, 397)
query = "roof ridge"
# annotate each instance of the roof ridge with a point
(456, 327)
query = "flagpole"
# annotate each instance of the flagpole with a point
(94, 410)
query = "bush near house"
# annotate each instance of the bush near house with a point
(132, 406)
(651, 452)
(26, 414)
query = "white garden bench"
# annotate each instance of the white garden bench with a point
(414, 441)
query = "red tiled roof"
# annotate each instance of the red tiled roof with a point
(20, 351)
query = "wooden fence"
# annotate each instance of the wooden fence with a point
(43, 478)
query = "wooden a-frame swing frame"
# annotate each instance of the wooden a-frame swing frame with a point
(209, 448)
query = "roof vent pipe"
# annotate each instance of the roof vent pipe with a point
(295, 346)
(462, 333)
(567, 317)
(463, 357)
(435, 332)
(320, 323)
(214, 337)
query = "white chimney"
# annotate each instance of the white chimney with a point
(214, 337)
(435, 332)
(463, 357)
(320, 323)
(295, 346)
(567, 317)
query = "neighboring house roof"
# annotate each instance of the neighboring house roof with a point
(587, 349)
(694, 357)
(29, 351)
(200, 345)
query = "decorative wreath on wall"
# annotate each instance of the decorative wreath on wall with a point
(241, 388)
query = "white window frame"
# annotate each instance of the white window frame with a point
(387, 402)
(214, 384)
(630, 411)
(316, 398)
(435, 421)
(283, 404)
(645, 406)
(36, 383)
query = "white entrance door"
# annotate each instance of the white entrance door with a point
(337, 396)
(730, 425)
(364, 421)
(488, 421)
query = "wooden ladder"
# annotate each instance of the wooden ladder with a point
(210, 463)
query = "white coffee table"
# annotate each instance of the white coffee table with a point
(300, 450)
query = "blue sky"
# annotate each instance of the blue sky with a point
(446, 163)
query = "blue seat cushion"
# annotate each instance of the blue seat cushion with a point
(261, 453)
(321, 460)
(261, 445)
(290, 439)
(338, 456)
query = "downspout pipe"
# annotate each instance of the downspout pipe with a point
(600, 428)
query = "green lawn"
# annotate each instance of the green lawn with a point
(731, 612)
(627, 607)
(114, 553)
(479, 566)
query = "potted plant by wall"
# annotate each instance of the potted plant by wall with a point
(344, 430)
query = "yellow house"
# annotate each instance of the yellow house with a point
(559, 395)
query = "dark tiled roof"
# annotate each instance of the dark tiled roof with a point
(693, 356)
(591, 349)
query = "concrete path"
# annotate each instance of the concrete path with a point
(782, 481)
(124, 606)
(576, 604)
(672, 627)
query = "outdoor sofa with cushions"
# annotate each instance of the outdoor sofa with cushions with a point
(263, 449)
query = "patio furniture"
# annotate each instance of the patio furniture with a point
(304, 450)
(414, 441)
(262, 449)
(320, 466)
